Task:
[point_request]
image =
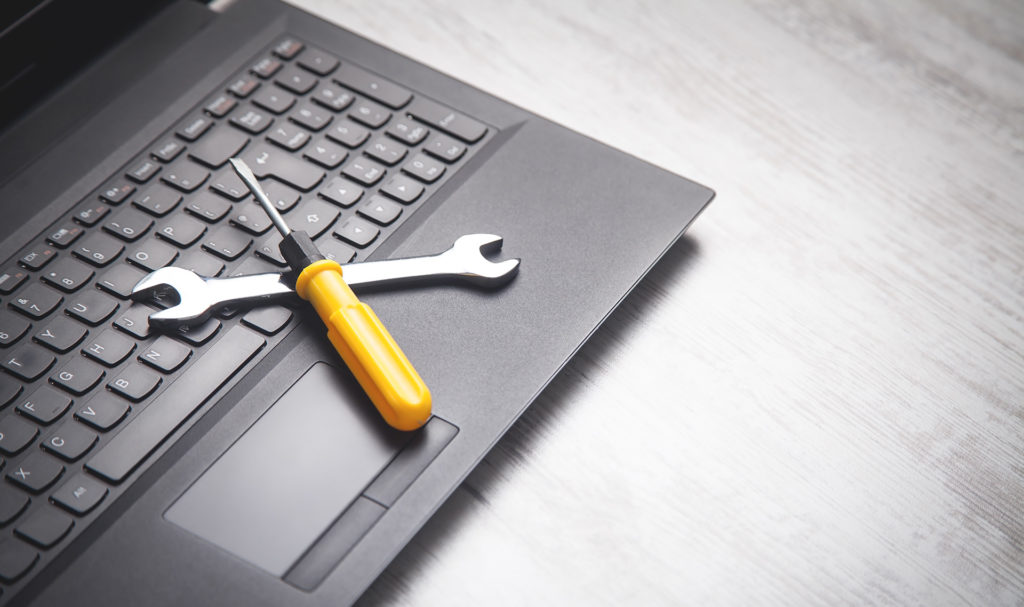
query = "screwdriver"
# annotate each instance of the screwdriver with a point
(370, 352)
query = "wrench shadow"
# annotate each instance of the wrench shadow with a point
(542, 417)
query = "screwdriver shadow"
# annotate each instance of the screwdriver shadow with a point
(542, 417)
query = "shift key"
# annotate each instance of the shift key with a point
(168, 411)
(272, 162)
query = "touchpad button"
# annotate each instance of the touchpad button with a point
(274, 492)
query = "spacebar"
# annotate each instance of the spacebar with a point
(118, 458)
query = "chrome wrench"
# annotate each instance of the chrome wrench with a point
(198, 297)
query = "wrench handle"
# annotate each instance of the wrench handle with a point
(366, 346)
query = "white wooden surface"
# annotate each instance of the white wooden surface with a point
(818, 397)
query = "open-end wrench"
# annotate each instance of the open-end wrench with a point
(198, 297)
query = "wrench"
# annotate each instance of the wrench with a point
(198, 296)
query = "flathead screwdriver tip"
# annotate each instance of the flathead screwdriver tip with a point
(249, 179)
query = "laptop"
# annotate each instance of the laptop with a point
(238, 461)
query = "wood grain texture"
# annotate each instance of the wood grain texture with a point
(818, 396)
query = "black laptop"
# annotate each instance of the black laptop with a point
(238, 461)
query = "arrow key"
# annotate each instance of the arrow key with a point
(402, 188)
(380, 210)
(357, 231)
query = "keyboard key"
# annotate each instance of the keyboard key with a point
(165, 354)
(44, 405)
(369, 113)
(266, 67)
(36, 301)
(386, 150)
(12, 328)
(186, 176)
(243, 86)
(341, 192)
(312, 117)
(37, 472)
(357, 231)
(348, 133)
(120, 279)
(326, 154)
(314, 217)
(219, 106)
(15, 434)
(98, 249)
(28, 362)
(274, 99)
(402, 188)
(288, 48)
(125, 451)
(61, 334)
(68, 275)
(380, 210)
(226, 243)
(444, 148)
(408, 131)
(281, 196)
(424, 168)
(143, 171)
(296, 80)
(200, 263)
(109, 348)
(333, 98)
(37, 256)
(268, 320)
(251, 120)
(158, 200)
(372, 86)
(267, 161)
(63, 236)
(269, 250)
(152, 254)
(103, 412)
(318, 61)
(91, 307)
(45, 527)
(364, 171)
(181, 230)
(167, 150)
(116, 192)
(252, 219)
(11, 279)
(16, 559)
(134, 382)
(198, 335)
(12, 503)
(447, 120)
(10, 388)
(287, 136)
(215, 149)
(78, 376)
(134, 320)
(70, 442)
(129, 225)
(80, 494)
(208, 207)
(194, 127)
(336, 251)
(227, 184)
(89, 213)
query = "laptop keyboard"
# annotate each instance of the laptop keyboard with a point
(89, 392)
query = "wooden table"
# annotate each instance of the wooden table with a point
(818, 396)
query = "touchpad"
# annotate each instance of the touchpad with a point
(281, 485)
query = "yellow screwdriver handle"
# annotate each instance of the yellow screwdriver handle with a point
(377, 362)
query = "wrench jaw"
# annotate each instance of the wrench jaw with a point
(175, 286)
(481, 271)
